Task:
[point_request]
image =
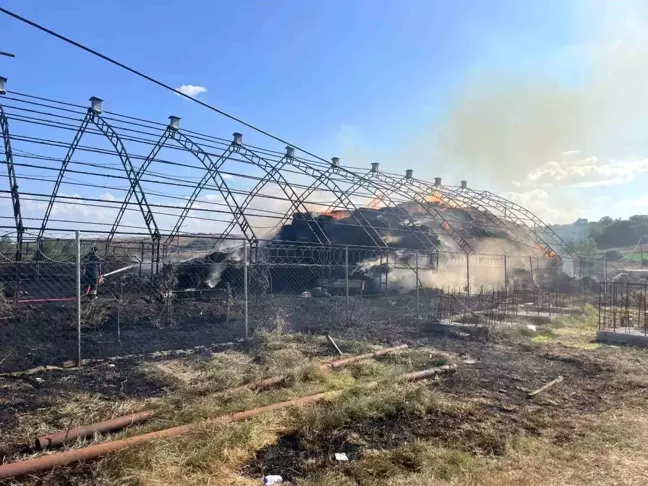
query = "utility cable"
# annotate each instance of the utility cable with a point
(153, 80)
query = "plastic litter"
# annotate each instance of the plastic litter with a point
(272, 479)
(341, 456)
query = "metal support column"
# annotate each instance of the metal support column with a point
(245, 286)
(141, 257)
(78, 296)
(468, 274)
(531, 270)
(346, 272)
(418, 298)
(152, 259)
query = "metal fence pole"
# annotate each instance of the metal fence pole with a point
(245, 285)
(531, 270)
(418, 297)
(346, 272)
(467, 274)
(78, 296)
(141, 258)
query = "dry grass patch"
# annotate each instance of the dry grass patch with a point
(610, 452)
(209, 454)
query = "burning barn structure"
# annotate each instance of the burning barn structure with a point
(172, 191)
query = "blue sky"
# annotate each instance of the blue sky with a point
(369, 80)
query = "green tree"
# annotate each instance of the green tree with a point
(588, 251)
(605, 220)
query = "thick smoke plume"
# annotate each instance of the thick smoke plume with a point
(512, 126)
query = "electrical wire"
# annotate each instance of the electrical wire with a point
(152, 80)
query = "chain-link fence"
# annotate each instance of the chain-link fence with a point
(86, 301)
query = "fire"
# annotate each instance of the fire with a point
(437, 198)
(434, 198)
(546, 251)
(337, 214)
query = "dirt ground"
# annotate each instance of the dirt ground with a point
(476, 426)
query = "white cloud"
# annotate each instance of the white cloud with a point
(228, 177)
(191, 90)
(569, 152)
(587, 172)
(106, 196)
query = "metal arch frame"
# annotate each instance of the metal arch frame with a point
(140, 172)
(365, 182)
(405, 185)
(295, 202)
(451, 196)
(513, 210)
(459, 194)
(341, 196)
(93, 116)
(59, 177)
(214, 174)
(13, 183)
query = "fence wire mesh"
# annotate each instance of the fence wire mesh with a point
(130, 304)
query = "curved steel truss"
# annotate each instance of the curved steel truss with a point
(228, 190)
(13, 184)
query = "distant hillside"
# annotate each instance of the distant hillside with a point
(607, 232)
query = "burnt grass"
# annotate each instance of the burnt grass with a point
(496, 384)
(493, 380)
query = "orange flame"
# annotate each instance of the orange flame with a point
(337, 214)
(437, 198)
(546, 251)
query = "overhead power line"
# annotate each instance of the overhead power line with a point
(153, 80)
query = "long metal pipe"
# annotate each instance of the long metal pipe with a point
(343, 362)
(57, 438)
(47, 462)
(117, 423)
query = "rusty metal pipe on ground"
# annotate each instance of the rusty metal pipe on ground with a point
(47, 462)
(345, 361)
(57, 438)
(117, 423)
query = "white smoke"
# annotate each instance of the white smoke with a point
(216, 270)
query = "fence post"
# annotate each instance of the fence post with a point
(78, 296)
(468, 273)
(245, 285)
(141, 257)
(346, 272)
(418, 298)
(152, 259)
(531, 271)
